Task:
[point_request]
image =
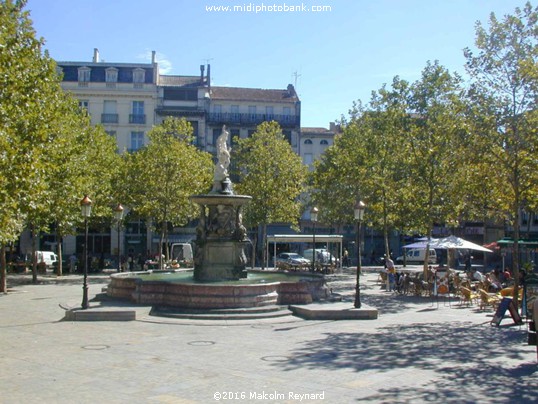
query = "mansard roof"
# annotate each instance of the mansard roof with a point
(254, 94)
(179, 81)
(125, 71)
(316, 130)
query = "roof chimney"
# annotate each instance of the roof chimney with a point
(95, 55)
(209, 75)
(153, 54)
(202, 68)
(291, 90)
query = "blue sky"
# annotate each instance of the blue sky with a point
(339, 55)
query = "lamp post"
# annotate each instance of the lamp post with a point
(359, 214)
(86, 208)
(314, 219)
(118, 213)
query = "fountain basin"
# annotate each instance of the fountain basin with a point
(179, 289)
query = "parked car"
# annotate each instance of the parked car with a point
(292, 259)
(322, 255)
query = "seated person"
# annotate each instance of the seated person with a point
(495, 283)
(479, 276)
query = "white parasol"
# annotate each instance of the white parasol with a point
(420, 244)
(453, 242)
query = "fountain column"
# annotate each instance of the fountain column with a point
(221, 238)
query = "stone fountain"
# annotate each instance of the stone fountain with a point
(221, 238)
(219, 280)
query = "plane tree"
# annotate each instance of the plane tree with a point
(399, 154)
(39, 128)
(273, 174)
(364, 163)
(160, 177)
(86, 163)
(432, 149)
(504, 89)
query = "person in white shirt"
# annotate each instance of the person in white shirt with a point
(478, 276)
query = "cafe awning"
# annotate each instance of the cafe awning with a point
(304, 238)
(508, 242)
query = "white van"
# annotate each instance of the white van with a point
(48, 257)
(417, 256)
(325, 255)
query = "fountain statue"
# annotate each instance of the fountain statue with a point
(221, 238)
(223, 162)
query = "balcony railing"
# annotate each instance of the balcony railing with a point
(252, 119)
(138, 119)
(109, 118)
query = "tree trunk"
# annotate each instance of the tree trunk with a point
(386, 239)
(254, 250)
(427, 254)
(3, 269)
(166, 244)
(515, 261)
(34, 257)
(484, 241)
(264, 244)
(161, 244)
(59, 269)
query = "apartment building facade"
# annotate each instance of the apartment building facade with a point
(128, 99)
(122, 97)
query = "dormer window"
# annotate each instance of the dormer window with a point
(111, 75)
(139, 75)
(84, 74)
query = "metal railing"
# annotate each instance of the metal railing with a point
(109, 118)
(254, 119)
(138, 118)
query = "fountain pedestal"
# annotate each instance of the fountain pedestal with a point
(221, 240)
(221, 260)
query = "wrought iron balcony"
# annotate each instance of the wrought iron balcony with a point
(251, 119)
(109, 118)
(138, 118)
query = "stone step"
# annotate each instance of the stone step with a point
(100, 315)
(246, 313)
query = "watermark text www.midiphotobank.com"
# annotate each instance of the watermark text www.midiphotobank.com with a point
(268, 8)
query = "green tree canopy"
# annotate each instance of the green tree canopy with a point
(504, 84)
(49, 153)
(160, 178)
(272, 174)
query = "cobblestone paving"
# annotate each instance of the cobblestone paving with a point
(419, 350)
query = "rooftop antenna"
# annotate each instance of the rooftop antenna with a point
(296, 76)
(207, 60)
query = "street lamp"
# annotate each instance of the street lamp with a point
(86, 207)
(360, 206)
(118, 214)
(314, 219)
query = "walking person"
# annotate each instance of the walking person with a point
(72, 264)
(391, 273)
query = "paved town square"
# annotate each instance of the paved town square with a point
(418, 350)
